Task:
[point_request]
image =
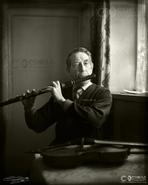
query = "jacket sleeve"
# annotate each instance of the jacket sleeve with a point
(39, 120)
(95, 113)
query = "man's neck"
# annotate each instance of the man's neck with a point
(84, 85)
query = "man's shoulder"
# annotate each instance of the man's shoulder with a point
(100, 90)
(99, 87)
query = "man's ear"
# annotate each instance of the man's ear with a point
(68, 69)
(92, 65)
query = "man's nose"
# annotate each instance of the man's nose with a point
(81, 67)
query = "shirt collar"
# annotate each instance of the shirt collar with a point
(87, 85)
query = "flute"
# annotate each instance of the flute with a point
(45, 90)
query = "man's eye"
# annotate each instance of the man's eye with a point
(75, 64)
(86, 63)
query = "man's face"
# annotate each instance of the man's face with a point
(81, 65)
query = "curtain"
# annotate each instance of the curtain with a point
(100, 46)
(142, 62)
(105, 75)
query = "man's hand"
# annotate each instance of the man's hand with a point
(29, 102)
(55, 89)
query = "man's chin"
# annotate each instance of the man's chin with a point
(83, 75)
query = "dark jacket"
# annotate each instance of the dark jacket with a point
(74, 119)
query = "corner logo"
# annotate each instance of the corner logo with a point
(133, 179)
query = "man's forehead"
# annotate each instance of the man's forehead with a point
(79, 56)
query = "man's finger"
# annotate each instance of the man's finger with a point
(58, 83)
(28, 91)
(49, 88)
(33, 91)
(54, 83)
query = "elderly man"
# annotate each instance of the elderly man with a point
(78, 111)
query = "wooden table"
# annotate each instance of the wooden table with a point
(134, 170)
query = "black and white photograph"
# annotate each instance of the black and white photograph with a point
(73, 92)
